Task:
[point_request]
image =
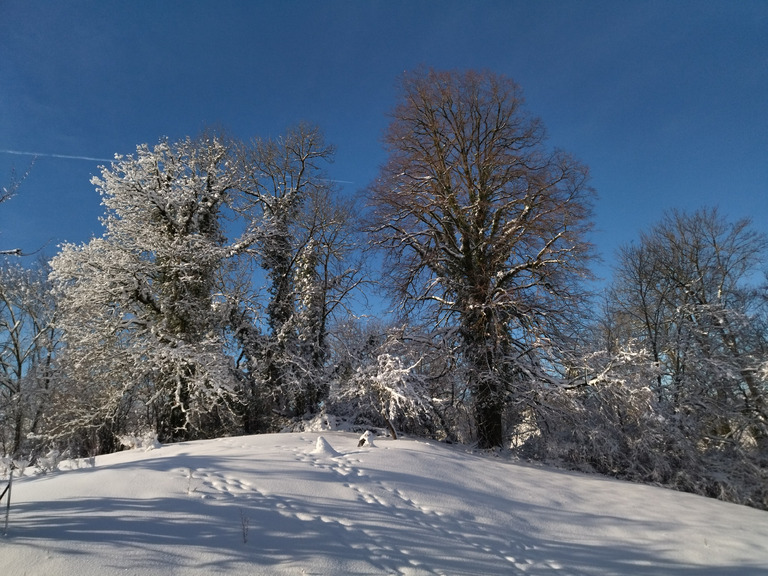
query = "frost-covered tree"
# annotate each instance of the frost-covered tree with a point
(674, 389)
(28, 342)
(139, 305)
(484, 230)
(686, 291)
(329, 274)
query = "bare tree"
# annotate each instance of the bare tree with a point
(27, 345)
(329, 272)
(676, 382)
(686, 292)
(8, 192)
(484, 228)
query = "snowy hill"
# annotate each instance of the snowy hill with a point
(318, 504)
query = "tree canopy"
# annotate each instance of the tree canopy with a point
(484, 227)
(220, 300)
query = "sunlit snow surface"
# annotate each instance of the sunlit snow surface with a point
(290, 504)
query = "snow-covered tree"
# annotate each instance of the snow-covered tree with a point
(27, 345)
(139, 305)
(673, 388)
(686, 292)
(484, 229)
(329, 274)
(302, 241)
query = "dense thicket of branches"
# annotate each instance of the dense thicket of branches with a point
(302, 238)
(173, 327)
(220, 300)
(674, 384)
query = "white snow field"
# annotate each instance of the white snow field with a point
(316, 503)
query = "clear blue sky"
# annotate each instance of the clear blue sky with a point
(666, 101)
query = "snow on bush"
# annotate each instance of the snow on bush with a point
(615, 425)
(142, 441)
(50, 462)
(388, 389)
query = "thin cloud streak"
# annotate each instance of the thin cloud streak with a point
(94, 159)
(63, 156)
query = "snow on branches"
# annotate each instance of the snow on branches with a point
(137, 303)
(394, 391)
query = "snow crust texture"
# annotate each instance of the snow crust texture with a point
(303, 504)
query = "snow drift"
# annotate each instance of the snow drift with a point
(300, 504)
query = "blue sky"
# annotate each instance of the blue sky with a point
(665, 101)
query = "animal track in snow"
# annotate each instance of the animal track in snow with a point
(380, 494)
(210, 484)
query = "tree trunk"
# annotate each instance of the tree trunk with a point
(485, 383)
(390, 428)
(489, 411)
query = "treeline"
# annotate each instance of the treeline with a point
(224, 297)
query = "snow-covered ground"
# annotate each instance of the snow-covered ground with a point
(316, 503)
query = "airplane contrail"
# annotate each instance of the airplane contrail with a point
(94, 159)
(336, 181)
(64, 156)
